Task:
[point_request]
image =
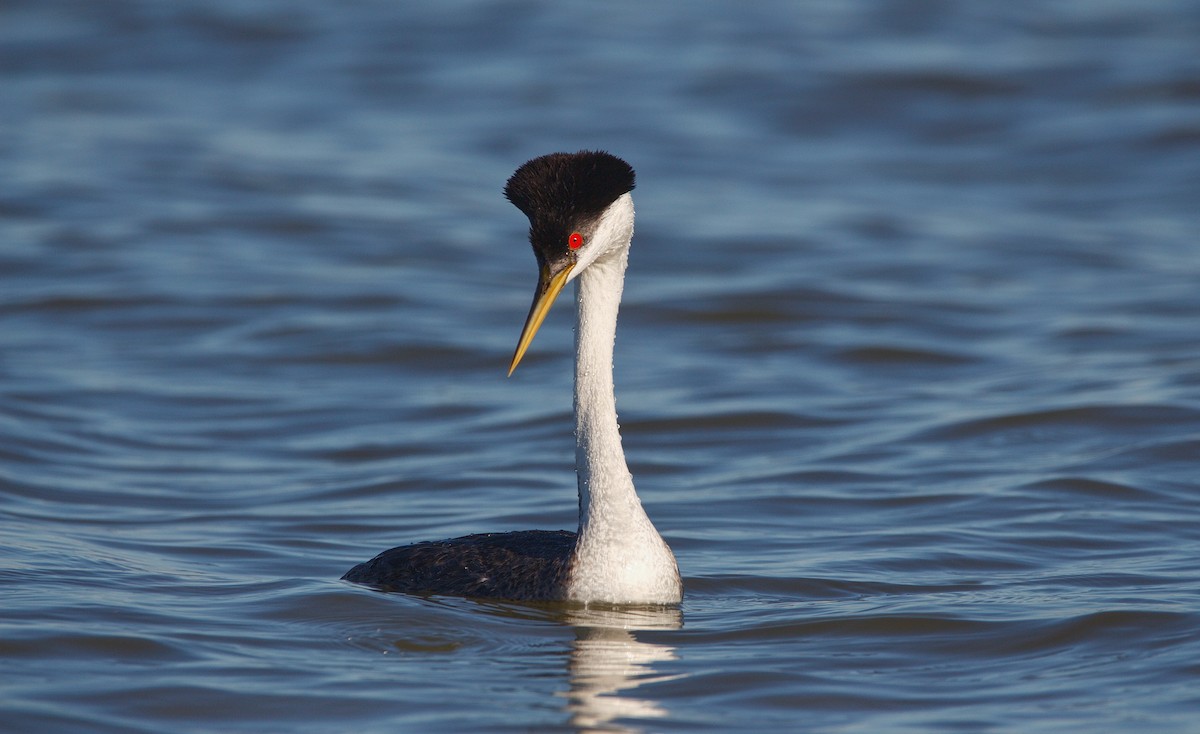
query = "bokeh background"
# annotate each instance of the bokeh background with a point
(908, 365)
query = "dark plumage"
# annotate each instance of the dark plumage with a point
(530, 564)
(563, 193)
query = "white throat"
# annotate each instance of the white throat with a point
(619, 558)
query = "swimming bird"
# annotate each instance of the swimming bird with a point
(580, 212)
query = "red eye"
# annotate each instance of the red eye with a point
(575, 241)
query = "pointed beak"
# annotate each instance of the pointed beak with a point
(548, 287)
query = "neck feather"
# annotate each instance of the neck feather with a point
(619, 557)
(604, 478)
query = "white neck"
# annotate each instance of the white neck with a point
(619, 557)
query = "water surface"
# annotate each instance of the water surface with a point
(908, 364)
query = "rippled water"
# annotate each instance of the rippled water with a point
(908, 366)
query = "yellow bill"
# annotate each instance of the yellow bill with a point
(548, 288)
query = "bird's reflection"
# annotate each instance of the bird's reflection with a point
(608, 663)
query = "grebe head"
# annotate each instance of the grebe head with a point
(580, 211)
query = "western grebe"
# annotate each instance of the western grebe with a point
(580, 225)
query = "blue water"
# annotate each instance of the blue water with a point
(908, 363)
